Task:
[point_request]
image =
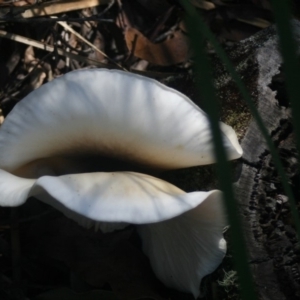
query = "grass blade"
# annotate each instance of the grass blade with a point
(205, 81)
(247, 98)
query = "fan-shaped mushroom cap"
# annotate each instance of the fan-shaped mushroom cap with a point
(132, 118)
(112, 197)
(182, 232)
(110, 113)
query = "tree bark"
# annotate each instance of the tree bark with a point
(270, 233)
(274, 251)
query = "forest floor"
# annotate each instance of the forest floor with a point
(42, 40)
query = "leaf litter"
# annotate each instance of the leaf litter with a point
(45, 256)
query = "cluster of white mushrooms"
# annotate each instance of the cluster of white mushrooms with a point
(52, 146)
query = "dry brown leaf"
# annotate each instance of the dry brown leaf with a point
(99, 43)
(1, 121)
(172, 51)
(36, 73)
(29, 57)
(24, 2)
(37, 77)
(236, 32)
(258, 22)
(96, 48)
(49, 8)
(49, 48)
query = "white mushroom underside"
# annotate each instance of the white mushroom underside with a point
(194, 241)
(181, 232)
(112, 197)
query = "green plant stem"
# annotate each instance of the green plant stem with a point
(205, 82)
(247, 98)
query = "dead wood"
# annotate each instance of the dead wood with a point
(274, 251)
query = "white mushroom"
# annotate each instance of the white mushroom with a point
(52, 146)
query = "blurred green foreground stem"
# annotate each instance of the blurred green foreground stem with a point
(204, 81)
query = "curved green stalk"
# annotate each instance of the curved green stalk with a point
(247, 98)
(205, 81)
